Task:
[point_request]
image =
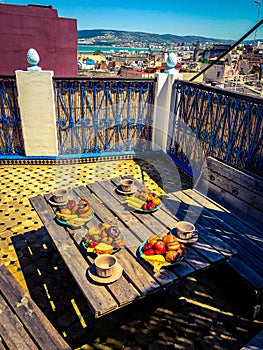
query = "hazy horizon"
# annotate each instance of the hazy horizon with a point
(213, 19)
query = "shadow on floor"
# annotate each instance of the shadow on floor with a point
(196, 314)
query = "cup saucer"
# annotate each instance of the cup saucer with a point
(52, 201)
(193, 239)
(119, 190)
(104, 280)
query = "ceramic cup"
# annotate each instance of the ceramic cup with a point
(126, 185)
(105, 265)
(60, 196)
(185, 229)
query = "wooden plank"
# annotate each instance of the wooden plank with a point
(2, 345)
(227, 226)
(35, 322)
(251, 237)
(251, 209)
(12, 330)
(255, 343)
(99, 299)
(249, 252)
(142, 280)
(235, 188)
(247, 180)
(248, 273)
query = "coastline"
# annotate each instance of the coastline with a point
(112, 49)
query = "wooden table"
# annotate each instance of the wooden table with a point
(138, 279)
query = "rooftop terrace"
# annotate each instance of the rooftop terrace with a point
(198, 314)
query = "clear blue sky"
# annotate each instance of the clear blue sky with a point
(225, 19)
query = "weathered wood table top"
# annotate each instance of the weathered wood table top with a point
(138, 279)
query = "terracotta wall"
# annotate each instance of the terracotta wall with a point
(39, 27)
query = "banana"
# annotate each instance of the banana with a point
(81, 219)
(134, 205)
(66, 217)
(135, 200)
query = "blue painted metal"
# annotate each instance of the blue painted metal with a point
(11, 141)
(104, 115)
(210, 121)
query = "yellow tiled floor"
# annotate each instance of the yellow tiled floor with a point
(20, 183)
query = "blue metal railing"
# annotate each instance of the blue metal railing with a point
(11, 141)
(104, 115)
(210, 121)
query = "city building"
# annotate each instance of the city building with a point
(39, 27)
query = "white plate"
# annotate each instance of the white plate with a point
(119, 190)
(114, 277)
(193, 239)
(53, 202)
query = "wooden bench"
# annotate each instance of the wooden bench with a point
(255, 344)
(240, 194)
(23, 326)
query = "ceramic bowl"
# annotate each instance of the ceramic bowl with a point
(60, 196)
(185, 229)
(105, 265)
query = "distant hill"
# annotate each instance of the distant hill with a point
(119, 37)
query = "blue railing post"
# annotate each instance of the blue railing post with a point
(11, 140)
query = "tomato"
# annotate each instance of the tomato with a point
(153, 239)
(150, 206)
(144, 206)
(159, 247)
(71, 203)
(147, 246)
(149, 252)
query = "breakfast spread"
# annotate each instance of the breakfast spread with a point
(75, 214)
(144, 200)
(162, 251)
(103, 239)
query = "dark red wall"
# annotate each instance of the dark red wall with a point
(40, 28)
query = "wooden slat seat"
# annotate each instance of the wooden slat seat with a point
(23, 326)
(255, 344)
(238, 214)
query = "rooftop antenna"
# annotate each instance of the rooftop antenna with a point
(258, 3)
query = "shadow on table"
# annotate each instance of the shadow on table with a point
(51, 285)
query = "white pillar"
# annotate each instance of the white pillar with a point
(38, 115)
(162, 105)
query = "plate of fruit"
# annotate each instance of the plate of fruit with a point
(144, 200)
(162, 251)
(75, 214)
(103, 239)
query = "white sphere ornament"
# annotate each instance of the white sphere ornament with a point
(33, 59)
(171, 60)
